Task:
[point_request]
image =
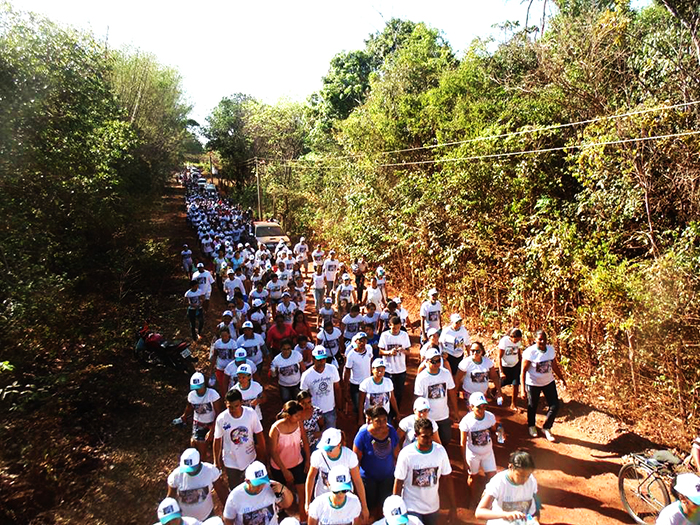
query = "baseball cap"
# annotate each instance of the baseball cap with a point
(247, 324)
(257, 303)
(421, 404)
(328, 300)
(185, 246)
(244, 369)
(397, 300)
(289, 521)
(476, 399)
(455, 317)
(346, 277)
(227, 312)
(286, 294)
(358, 336)
(189, 461)
(432, 291)
(240, 354)
(240, 245)
(688, 485)
(432, 331)
(196, 381)
(432, 352)
(330, 439)
(395, 511)
(339, 478)
(200, 265)
(380, 270)
(302, 239)
(378, 362)
(256, 473)
(332, 252)
(168, 510)
(319, 352)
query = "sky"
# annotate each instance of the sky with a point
(268, 49)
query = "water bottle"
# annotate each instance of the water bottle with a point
(500, 436)
(178, 421)
(499, 401)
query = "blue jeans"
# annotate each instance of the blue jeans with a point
(318, 298)
(330, 418)
(427, 519)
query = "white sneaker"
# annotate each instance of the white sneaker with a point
(533, 431)
(549, 435)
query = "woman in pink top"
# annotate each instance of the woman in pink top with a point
(287, 436)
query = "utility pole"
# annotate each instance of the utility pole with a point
(257, 179)
(211, 171)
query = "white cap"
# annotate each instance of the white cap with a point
(256, 473)
(432, 352)
(240, 353)
(432, 331)
(244, 369)
(339, 478)
(378, 362)
(346, 276)
(397, 300)
(196, 381)
(358, 336)
(477, 398)
(432, 291)
(332, 252)
(289, 521)
(302, 239)
(380, 270)
(200, 265)
(258, 303)
(168, 510)
(330, 439)
(455, 318)
(421, 404)
(328, 300)
(319, 352)
(227, 312)
(688, 485)
(247, 324)
(395, 511)
(189, 461)
(286, 294)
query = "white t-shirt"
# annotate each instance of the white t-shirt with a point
(372, 319)
(412, 520)
(377, 394)
(319, 281)
(331, 342)
(540, 372)
(478, 432)
(434, 388)
(421, 472)
(352, 325)
(237, 435)
(407, 424)
(317, 256)
(287, 310)
(194, 299)
(330, 268)
(321, 462)
(508, 497)
(203, 405)
(360, 365)
(476, 378)
(288, 371)
(455, 341)
(274, 289)
(510, 352)
(374, 295)
(232, 368)
(204, 279)
(395, 364)
(345, 292)
(326, 314)
(253, 347)
(230, 287)
(245, 508)
(250, 394)
(326, 514)
(194, 491)
(223, 352)
(431, 313)
(320, 386)
(673, 515)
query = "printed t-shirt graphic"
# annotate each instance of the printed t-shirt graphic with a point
(425, 477)
(437, 391)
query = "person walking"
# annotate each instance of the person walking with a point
(204, 404)
(394, 344)
(340, 505)
(323, 383)
(454, 339)
(510, 362)
(436, 384)
(536, 377)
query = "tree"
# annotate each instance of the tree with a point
(688, 13)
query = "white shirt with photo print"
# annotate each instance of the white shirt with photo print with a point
(194, 491)
(321, 462)
(476, 378)
(237, 437)
(377, 394)
(510, 352)
(540, 372)
(509, 497)
(245, 508)
(431, 314)
(395, 364)
(325, 513)
(455, 341)
(478, 432)
(434, 388)
(288, 370)
(250, 394)
(421, 472)
(204, 405)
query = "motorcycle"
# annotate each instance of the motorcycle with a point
(152, 348)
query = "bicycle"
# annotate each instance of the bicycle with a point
(646, 482)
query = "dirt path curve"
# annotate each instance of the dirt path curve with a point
(577, 475)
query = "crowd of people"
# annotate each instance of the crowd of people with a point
(340, 450)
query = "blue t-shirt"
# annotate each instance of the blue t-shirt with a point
(377, 461)
(374, 342)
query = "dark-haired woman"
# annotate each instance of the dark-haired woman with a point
(287, 437)
(536, 377)
(312, 419)
(514, 489)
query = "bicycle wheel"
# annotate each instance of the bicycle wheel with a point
(642, 492)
